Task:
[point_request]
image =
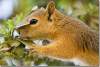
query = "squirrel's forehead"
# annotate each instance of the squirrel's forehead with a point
(37, 12)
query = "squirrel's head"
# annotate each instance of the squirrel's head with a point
(41, 23)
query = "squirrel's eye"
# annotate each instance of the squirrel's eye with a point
(33, 21)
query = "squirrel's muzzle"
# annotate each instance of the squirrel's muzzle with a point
(16, 33)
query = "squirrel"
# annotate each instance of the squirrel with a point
(72, 40)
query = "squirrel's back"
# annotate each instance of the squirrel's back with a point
(86, 38)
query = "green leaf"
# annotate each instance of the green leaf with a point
(19, 18)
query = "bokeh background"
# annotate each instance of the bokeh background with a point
(13, 11)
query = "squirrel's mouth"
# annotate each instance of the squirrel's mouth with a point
(42, 42)
(37, 41)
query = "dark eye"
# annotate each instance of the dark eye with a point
(33, 21)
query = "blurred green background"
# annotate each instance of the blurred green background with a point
(85, 10)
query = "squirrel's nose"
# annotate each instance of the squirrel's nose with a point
(16, 33)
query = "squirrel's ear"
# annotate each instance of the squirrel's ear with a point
(50, 8)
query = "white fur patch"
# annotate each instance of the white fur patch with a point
(38, 42)
(77, 61)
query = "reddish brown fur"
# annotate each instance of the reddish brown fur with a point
(71, 38)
